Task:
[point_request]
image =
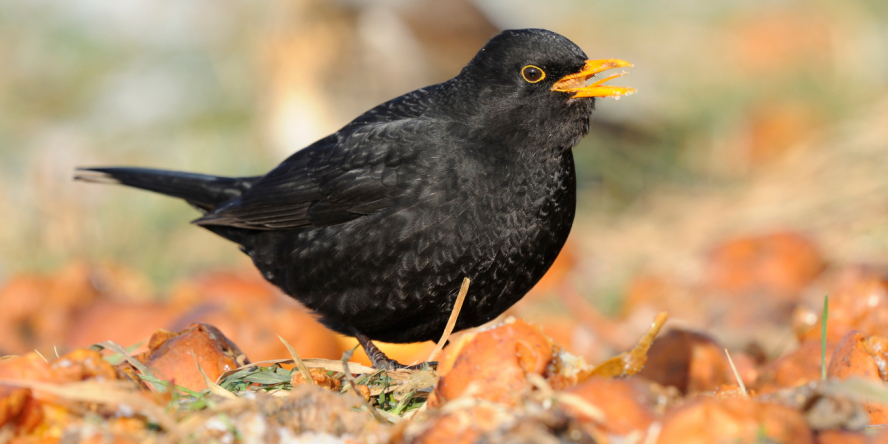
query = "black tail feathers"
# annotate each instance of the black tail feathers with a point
(203, 191)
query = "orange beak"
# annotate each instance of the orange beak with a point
(576, 83)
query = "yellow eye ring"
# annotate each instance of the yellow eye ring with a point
(533, 74)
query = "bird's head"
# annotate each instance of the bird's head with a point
(537, 78)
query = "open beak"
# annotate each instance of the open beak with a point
(576, 83)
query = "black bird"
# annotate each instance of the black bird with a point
(375, 226)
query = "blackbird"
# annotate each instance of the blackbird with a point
(375, 226)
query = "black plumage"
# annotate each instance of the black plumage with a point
(375, 226)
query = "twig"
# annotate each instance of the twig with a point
(737, 375)
(326, 364)
(460, 298)
(351, 381)
(298, 362)
(216, 389)
(117, 348)
(581, 405)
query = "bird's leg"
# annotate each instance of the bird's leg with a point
(380, 360)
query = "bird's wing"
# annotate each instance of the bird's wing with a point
(335, 180)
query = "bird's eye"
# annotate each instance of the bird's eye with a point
(532, 73)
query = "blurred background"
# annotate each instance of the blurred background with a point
(751, 162)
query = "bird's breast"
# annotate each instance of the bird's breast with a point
(521, 208)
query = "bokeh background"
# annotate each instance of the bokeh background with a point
(759, 137)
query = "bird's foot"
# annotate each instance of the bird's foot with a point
(381, 361)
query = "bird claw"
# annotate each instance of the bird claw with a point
(391, 364)
(382, 362)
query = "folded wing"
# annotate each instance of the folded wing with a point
(335, 180)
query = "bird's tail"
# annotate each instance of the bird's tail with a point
(203, 191)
